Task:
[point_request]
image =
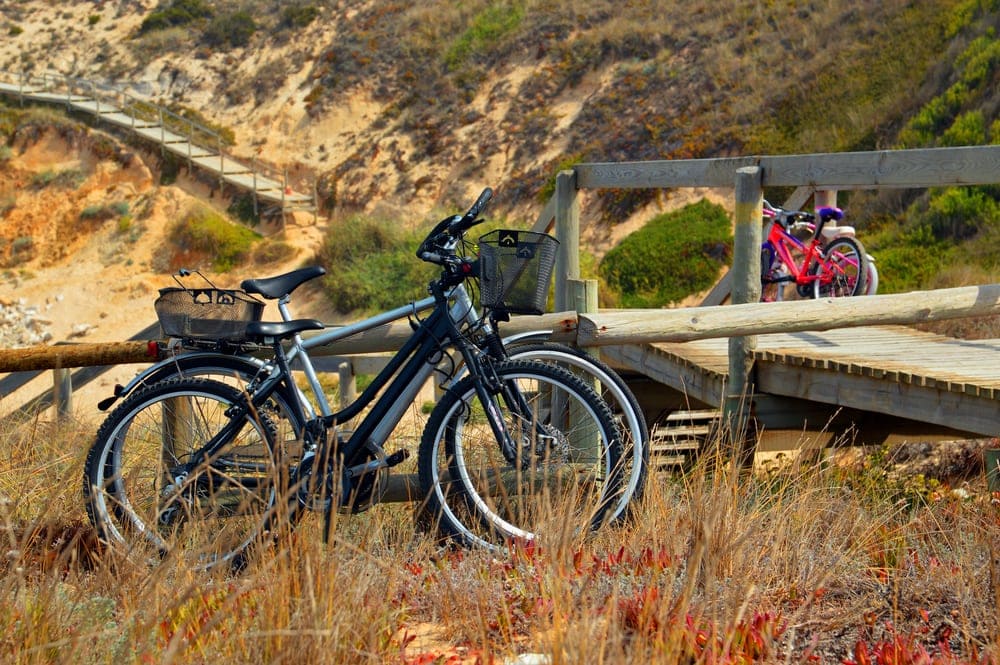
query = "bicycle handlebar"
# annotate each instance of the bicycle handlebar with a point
(438, 247)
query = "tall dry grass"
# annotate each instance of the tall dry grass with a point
(818, 563)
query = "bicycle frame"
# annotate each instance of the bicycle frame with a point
(782, 243)
(401, 380)
(462, 310)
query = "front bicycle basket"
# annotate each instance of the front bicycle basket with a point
(209, 313)
(515, 269)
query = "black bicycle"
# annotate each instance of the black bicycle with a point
(515, 450)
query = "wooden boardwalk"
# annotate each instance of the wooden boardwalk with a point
(175, 134)
(896, 371)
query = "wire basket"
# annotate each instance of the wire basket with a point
(208, 313)
(515, 269)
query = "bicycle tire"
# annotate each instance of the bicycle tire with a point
(478, 497)
(625, 408)
(210, 515)
(842, 271)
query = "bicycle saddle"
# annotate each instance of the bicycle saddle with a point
(827, 213)
(281, 285)
(282, 329)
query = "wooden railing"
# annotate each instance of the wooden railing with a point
(199, 145)
(818, 175)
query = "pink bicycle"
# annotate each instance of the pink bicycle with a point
(796, 252)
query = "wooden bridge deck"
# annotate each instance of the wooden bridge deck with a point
(891, 370)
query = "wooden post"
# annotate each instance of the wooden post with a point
(746, 289)
(568, 234)
(348, 387)
(62, 391)
(584, 301)
(825, 198)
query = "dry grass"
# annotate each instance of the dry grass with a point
(792, 565)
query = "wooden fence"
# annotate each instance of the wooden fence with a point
(817, 175)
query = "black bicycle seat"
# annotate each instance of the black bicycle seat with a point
(281, 285)
(282, 329)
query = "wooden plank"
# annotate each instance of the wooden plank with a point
(955, 410)
(391, 337)
(687, 378)
(639, 326)
(34, 358)
(925, 167)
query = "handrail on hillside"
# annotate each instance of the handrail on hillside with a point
(201, 142)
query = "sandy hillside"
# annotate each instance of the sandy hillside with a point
(95, 281)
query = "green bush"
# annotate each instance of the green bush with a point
(968, 129)
(67, 178)
(959, 213)
(230, 30)
(372, 265)
(487, 28)
(298, 16)
(179, 12)
(205, 231)
(243, 209)
(673, 256)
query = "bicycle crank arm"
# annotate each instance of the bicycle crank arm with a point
(376, 464)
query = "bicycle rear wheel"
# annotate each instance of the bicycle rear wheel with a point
(842, 271)
(563, 477)
(151, 486)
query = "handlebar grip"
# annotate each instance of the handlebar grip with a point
(480, 204)
(431, 257)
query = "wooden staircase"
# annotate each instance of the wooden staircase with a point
(200, 146)
(676, 440)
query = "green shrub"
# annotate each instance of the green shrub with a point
(14, 30)
(68, 178)
(230, 30)
(118, 209)
(203, 230)
(93, 19)
(298, 16)
(968, 129)
(673, 256)
(959, 213)
(179, 12)
(243, 209)
(487, 28)
(372, 265)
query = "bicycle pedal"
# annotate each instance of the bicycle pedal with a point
(397, 457)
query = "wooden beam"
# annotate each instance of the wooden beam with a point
(34, 358)
(925, 167)
(682, 325)
(958, 411)
(391, 337)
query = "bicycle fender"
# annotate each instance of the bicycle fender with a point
(173, 365)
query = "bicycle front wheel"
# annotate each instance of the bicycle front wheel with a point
(153, 485)
(842, 271)
(620, 399)
(558, 474)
